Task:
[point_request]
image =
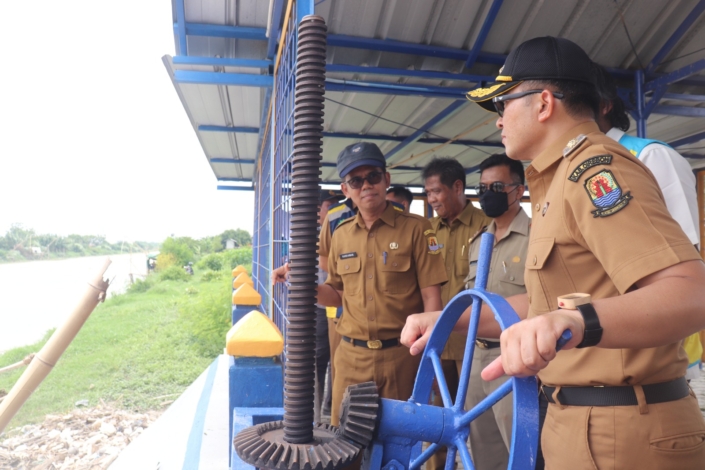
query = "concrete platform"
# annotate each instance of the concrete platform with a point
(192, 434)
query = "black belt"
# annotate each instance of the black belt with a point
(484, 344)
(373, 344)
(618, 396)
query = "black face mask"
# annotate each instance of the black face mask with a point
(494, 204)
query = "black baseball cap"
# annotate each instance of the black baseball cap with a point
(329, 194)
(546, 58)
(360, 154)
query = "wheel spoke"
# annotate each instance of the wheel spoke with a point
(464, 454)
(425, 455)
(469, 352)
(441, 379)
(450, 458)
(486, 404)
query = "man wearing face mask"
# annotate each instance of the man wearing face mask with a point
(454, 226)
(501, 187)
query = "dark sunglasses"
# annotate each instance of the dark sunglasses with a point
(496, 187)
(499, 100)
(373, 178)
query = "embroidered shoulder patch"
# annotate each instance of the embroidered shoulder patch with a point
(606, 194)
(589, 163)
(434, 247)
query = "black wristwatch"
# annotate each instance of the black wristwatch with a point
(593, 331)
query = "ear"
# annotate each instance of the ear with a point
(520, 193)
(344, 189)
(458, 187)
(547, 106)
(605, 107)
(387, 180)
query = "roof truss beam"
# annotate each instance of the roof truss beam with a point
(689, 140)
(484, 32)
(677, 35)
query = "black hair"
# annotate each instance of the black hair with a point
(580, 99)
(607, 89)
(401, 191)
(516, 169)
(448, 170)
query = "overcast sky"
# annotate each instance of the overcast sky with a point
(93, 138)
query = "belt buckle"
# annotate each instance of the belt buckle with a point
(482, 344)
(374, 344)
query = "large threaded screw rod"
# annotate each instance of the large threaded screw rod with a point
(306, 171)
(295, 443)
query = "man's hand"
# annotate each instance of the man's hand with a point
(281, 274)
(528, 346)
(417, 330)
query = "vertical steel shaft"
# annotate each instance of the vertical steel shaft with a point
(306, 170)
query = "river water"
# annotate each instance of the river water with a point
(36, 296)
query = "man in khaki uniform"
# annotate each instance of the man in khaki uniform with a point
(617, 393)
(455, 225)
(501, 181)
(383, 264)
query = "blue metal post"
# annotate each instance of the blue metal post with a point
(303, 8)
(486, 27)
(688, 140)
(449, 111)
(639, 90)
(181, 27)
(677, 35)
(274, 27)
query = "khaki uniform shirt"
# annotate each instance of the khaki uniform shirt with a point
(381, 272)
(454, 240)
(599, 225)
(506, 276)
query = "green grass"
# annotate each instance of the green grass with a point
(146, 343)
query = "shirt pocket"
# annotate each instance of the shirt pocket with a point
(397, 277)
(512, 281)
(349, 271)
(536, 257)
(461, 265)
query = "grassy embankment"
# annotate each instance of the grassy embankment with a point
(137, 349)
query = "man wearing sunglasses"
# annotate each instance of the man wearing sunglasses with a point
(616, 391)
(383, 264)
(501, 188)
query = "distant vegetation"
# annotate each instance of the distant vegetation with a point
(22, 244)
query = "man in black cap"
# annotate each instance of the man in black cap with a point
(605, 261)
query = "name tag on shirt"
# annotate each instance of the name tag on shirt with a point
(348, 255)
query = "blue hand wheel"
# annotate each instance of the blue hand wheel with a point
(525, 430)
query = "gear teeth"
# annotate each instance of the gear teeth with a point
(358, 413)
(264, 447)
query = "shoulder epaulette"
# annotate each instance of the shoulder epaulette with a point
(397, 206)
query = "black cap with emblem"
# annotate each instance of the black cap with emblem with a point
(546, 58)
(360, 154)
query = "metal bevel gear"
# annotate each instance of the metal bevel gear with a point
(264, 447)
(358, 413)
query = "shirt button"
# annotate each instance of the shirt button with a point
(369, 255)
(394, 264)
(372, 318)
(369, 276)
(450, 250)
(534, 260)
(372, 234)
(537, 207)
(511, 278)
(347, 266)
(369, 298)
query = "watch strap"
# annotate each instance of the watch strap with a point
(593, 330)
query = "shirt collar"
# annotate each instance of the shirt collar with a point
(615, 134)
(520, 224)
(554, 152)
(465, 217)
(388, 216)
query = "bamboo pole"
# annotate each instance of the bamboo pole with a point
(47, 358)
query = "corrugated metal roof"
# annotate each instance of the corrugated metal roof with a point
(593, 24)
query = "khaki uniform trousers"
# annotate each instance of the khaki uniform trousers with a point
(665, 436)
(392, 369)
(333, 342)
(491, 433)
